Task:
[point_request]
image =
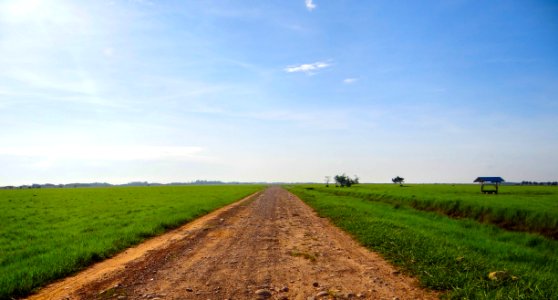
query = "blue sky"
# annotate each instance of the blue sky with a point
(433, 91)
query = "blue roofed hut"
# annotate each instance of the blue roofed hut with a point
(489, 185)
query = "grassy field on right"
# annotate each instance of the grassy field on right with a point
(462, 257)
(518, 208)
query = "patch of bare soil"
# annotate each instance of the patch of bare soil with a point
(269, 246)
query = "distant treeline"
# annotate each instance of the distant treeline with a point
(539, 183)
(105, 184)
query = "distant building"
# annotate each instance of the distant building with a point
(489, 185)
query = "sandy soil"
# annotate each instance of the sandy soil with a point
(268, 246)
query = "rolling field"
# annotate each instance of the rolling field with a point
(463, 256)
(46, 234)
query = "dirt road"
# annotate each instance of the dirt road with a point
(270, 246)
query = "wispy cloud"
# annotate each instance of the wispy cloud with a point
(68, 81)
(316, 119)
(307, 68)
(106, 153)
(310, 5)
(349, 80)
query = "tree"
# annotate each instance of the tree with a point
(399, 180)
(344, 180)
(355, 181)
(327, 180)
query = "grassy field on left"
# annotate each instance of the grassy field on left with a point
(46, 234)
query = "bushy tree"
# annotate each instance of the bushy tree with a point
(398, 179)
(344, 180)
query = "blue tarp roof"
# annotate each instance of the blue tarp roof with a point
(489, 179)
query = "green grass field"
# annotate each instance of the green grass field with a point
(46, 234)
(447, 254)
(520, 208)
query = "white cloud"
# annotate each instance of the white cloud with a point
(310, 5)
(307, 68)
(349, 80)
(69, 81)
(37, 12)
(105, 153)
